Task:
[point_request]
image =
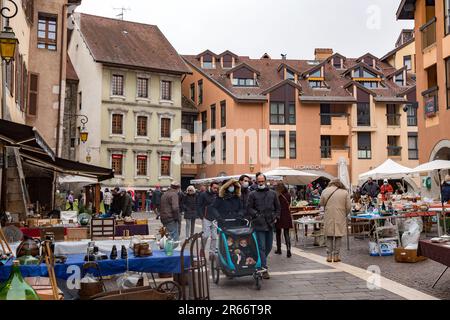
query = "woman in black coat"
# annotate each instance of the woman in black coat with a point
(284, 224)
(189, 207)
(228, 205)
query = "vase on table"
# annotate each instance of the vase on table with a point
(16, 288)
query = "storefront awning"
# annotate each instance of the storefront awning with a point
(25, 137)
(66, 167)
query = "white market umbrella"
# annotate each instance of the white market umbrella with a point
(389, 169)
(430, 167)
(76, 179)
(293, 177)
(343, 172)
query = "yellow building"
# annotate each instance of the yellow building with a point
(130, 87)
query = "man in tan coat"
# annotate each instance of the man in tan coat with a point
(336, 201)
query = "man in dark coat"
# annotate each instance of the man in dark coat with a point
(116, 204)
(156, 200)
(170, 211)
(205, 200)
(371, 189)
(127, 203)
(446, 189)
(245, 181)
(264, 211)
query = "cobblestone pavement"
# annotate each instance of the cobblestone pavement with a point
(302, 278)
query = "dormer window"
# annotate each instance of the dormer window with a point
(227, 61)
(337, 63)
(290, 75)
(400, 79)
(316, 84)
(316, 74)
(208, 62)
(363, 73)
(244, 82)
(369, 61)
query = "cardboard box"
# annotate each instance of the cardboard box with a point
(141, 221)
(74, 234)
(403, 255)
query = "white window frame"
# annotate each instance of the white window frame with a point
(124, 117)
(124, 75)
(137, 114)
(143, 76)
(166, 115)
(124, 157)
(165, 154)
(136, 155)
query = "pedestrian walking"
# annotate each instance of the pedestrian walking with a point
(148, 201)
(189, 205)
(70, 200)
(156, 199)
(205, 200)
(284, 224)
(228, 205)
(244, 182)
(264, 211)
(107, 200)
(170, 211)
(336, 202)
(127, 203)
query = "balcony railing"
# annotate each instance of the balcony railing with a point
(428, 31)
(326, 151)
(431, 101)
(325, 118)
(393, 119)
(394, 151)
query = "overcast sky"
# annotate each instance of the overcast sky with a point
(253, 27)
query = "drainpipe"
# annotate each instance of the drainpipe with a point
(61, 112)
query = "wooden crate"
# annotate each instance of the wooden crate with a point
(407, 256)
(74, 234)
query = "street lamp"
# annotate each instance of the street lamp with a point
(8, 40)
(84, 134)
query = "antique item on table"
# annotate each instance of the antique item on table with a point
(15, 288)
(168, 247)
(28, 261)
(129, 220)
(162, 242)
(144, 250)
(60, 259)
(93, 253)
(113, 255)
(136, 248)
(89, 284)
(124, 253)
(28, 246)
(84, 219)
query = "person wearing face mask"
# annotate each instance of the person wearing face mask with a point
(386, 190)
(264, 210)
(244, 181)
(228, 204)
(205, 200)
(189, 207)
(446, 189)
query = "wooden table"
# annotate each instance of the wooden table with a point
(301, 214)
(439, 252)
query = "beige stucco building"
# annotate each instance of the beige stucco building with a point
(130, 88)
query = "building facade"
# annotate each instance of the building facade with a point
(307, 114)
(130, 88)
(432, 29)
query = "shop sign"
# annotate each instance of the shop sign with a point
(430, 106)
(117, 156)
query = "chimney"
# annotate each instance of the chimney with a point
(322, 53)
(283, 56)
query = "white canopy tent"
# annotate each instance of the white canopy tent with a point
(388, 170)
(436, 165)
(224, 178)
(293, 177)
(76, 179)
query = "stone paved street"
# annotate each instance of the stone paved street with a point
(306, 276)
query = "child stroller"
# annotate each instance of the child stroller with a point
(237, 254)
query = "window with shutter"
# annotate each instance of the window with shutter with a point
(33, 94)
(117, 124)
(142, 126)
(165, 128)
(47, 26)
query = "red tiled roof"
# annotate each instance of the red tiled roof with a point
(130, 44)
(270, 75)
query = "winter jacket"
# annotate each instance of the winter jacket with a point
(205, 199)
(228, 205)
(244, 197)
(107, 198)
(285, 221)
(189, 205)
(263, 209)
(384, 190)
(170, 207)
(156, 197)
(338, 206)
(445, 192)
(371, 190)
(127, 205)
